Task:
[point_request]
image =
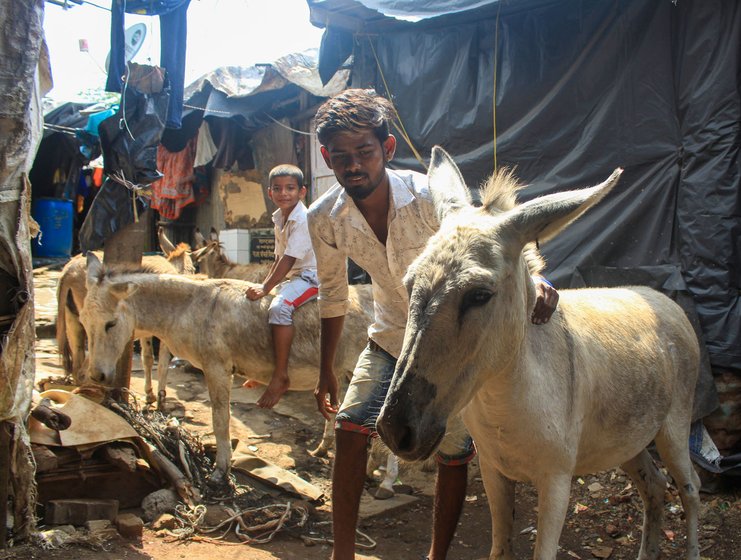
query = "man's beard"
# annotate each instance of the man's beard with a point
(360, 193)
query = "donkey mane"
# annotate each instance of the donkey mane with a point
(178, 251)
(499, 194)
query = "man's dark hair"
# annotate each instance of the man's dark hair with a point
(354, 110)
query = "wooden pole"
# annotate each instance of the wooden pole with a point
(127, 246)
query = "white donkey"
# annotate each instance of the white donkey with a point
(71, 340)
(212, 324)
(613, 370)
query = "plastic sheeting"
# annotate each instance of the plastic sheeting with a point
(295, 68)
(251, 91)
(582, 88)
(129, 141)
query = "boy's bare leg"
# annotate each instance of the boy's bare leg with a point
(348, 478)
(282, 338)
(450, 493)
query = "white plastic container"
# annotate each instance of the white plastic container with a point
(236, 244)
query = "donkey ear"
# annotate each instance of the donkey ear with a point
(213, 235)
(122, 290)
(199, 239)
(449, 191)
(542, 218)
(196, 256)
(94, 268)
(165, 244)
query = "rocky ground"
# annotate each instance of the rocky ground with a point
(603, 521)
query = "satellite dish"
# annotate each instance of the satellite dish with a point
(133, 39)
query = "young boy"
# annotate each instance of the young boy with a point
(293, 272)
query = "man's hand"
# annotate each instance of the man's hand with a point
(255, 292)
(545, 302)
(326, 393)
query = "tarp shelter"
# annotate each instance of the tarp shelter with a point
(59, 152)
(25, 76)
(579, 88)
(257, 96)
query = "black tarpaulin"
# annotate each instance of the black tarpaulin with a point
(581, 88)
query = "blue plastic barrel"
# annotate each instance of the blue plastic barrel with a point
(55, 217)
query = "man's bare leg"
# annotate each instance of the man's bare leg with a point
(282, 338)
(450, 493)
(348, 478)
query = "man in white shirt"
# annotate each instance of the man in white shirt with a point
(381, 219)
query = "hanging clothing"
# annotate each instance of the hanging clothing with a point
(173, 37)
(174, 191)
(205, 147)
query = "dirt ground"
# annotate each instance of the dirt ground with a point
(603, 520)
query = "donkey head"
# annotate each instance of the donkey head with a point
(470, 299)
(107, 319)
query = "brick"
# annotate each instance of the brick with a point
(79, 511)
(130, 526)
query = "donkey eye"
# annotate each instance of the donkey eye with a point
(475, 298)
(109, 325)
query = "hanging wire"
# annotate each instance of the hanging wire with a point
(400, 126)
(205, 109)
(276, 121)
(494, 93)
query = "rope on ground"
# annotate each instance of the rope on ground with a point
(255, 525)
(369, 545)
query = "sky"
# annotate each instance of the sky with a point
(220, 33)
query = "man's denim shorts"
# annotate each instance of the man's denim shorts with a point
(364, 399)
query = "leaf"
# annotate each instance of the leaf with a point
(601, 551)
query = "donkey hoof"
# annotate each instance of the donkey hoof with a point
(151, 399)
(320, 451)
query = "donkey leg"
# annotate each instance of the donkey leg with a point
(76, 342)
(147, 363)
(672, 442)
(500, 493)
(651, 486)
(327, 440)
(553, 502)
(219, 383)
(163, 363)
(386, 488)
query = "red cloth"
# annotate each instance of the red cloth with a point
(174, 191)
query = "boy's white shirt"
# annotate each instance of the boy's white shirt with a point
(292, 239)
(338, 230)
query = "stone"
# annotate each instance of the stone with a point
(159, 502)
(130, 526)
(165, 521)
(97, 524)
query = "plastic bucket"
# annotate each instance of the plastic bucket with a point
(55, 217)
